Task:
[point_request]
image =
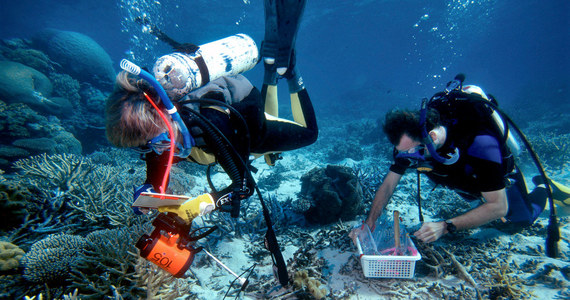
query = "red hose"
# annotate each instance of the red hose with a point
(172, 144)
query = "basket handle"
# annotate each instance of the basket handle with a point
(396, 230)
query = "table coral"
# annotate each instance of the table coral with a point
(10, 256)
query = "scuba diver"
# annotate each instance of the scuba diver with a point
(222, 117)
(460, 142)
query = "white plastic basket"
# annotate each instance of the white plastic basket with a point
(389, 266)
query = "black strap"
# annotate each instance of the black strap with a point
(273, 246)
(204, 72)
(187, 48)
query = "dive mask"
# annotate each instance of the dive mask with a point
(161, 143)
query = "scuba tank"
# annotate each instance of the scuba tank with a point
(512, 144)
(179, 73)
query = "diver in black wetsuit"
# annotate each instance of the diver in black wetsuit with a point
(228, 117)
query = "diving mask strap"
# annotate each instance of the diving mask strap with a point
(426, 139)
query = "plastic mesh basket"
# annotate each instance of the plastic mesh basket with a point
(388, 266)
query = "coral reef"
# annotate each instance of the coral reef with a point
(24, 132)
(348, 148)
(10, 256)
(79, 55)
(13, 200)
(334, 193)
(66, 87)
(22, 84)
(96, 191)
(32, 58)
(51, 259)
(107, 266)
(552, 149)
(302, 280)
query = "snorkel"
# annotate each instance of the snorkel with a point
(171, 109)
(136, 70)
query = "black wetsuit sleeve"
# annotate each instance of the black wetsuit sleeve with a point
(400, 165)
(398, 168)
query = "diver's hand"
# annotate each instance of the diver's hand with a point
(192, 208)
(145, 188)
(431, 231)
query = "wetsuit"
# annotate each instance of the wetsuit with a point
(265, 135)
(484, 165)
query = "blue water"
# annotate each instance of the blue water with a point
(358, 58)
(385, 51)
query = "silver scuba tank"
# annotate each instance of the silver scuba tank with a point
(180, 73)
(512, 143)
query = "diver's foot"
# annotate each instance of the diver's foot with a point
(560, 192)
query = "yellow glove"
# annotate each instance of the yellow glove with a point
(199, 206)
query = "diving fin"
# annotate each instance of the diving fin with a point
(560, 192)
(282, 18)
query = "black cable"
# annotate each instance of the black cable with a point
(209, 178)
(419, 198)
(270, 234)
(553, 232)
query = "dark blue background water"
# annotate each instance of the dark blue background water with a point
(374, 54)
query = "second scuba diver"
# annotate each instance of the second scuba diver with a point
(457, 145)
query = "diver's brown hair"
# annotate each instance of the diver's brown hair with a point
(130, 120)
(401, 121)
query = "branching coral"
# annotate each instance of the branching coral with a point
(553, 149)
(107, 265)
(99, 192)
(51, 259)
(64, 171)
(503, 285)
(158, 283)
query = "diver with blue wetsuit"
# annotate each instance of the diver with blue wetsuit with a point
(458, 145)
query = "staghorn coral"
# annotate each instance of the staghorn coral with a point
(99, 192)
(552, 149)
(10, 256)
(502, 285)
(158, 283)
(63, 172)
(51, 259)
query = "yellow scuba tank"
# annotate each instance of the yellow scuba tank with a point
(179, 73)
(511, 142)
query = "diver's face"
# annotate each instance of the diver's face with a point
(407, 144)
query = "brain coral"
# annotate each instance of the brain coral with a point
(79, 55)
(51, 259)
(22, 84)
(10, 256)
